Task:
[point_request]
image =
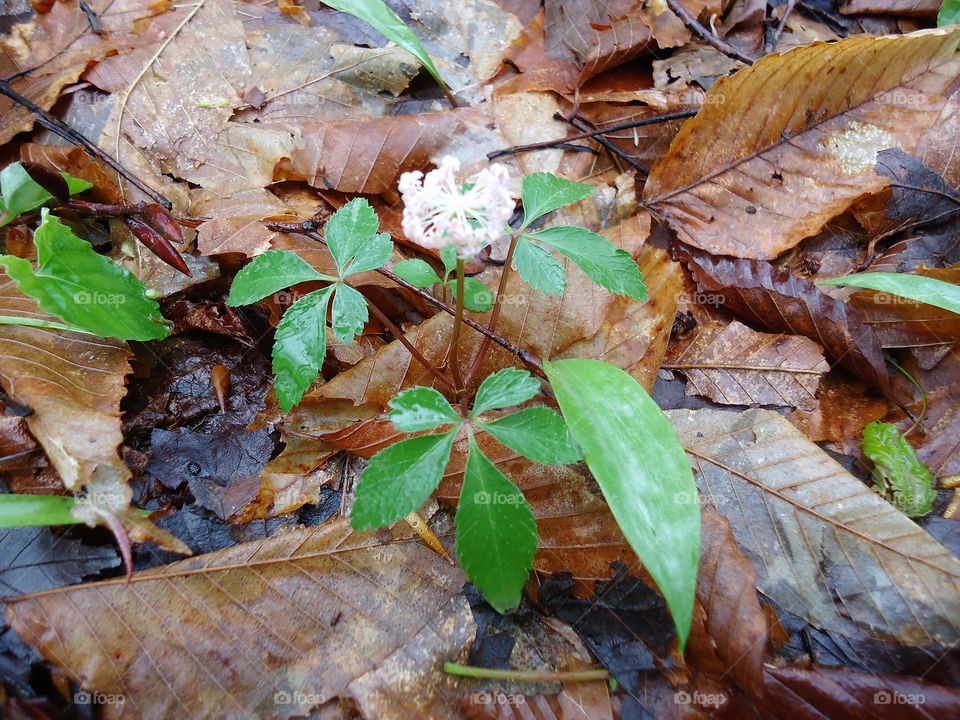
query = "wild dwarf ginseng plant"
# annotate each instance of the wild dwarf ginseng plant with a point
(641, 473)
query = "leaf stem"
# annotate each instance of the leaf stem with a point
(495, 315)
(401, 336)
(38, 323)
(452, 668)
(457, 325)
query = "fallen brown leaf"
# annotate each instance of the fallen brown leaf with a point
(270, 628)
(824, 546)
(742, 180)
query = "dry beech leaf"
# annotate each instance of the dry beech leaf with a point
(733, 622)
(910, 8)
(772, 298)
(294, 478)
(235, 224)
(842, 694)
(734, 365)
(742, 180)
(825, 547)
(74, 384)
(305, 616)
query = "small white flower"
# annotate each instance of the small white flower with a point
(438, 211)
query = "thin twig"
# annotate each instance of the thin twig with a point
(399, 335)
(555, 144)
(694, 26)
(580, 124)
(772, 44)
(495, 315)
(59, 127)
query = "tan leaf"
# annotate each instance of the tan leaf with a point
(910, 8)
(44, 55)
(727, 594)
(235, 224)
(735, 365)
(267, 629)
(790, 142)
(73, 383)
(634, 334)
(824, 546)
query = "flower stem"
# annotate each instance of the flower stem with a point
(417, 355)
(495, 315)
(452, 668)
(457, 325)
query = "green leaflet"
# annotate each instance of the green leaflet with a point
(915, 287)
(642, 469)
(399, 480)
(897, 474)
(496, 532)
(84, 288)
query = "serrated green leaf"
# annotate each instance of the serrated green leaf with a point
(496, 532)
(421, 408)
(380, 16)
(537, 433)
(399, 480)
(505, 388)
(914, 287)
(268, 273)
(19, 192)
(539, 268)
(642, 469)
(897, 474)
(417, 272)
(371, 255)
(349, 313)
(348, 229)
(84, 288)
(543, 192)
(300, 346)
(448, 256)
(606, 264)
(74, 184)
(477, 297)
(949, 13)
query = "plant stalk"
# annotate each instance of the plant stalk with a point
(457, 325)
(411, 348)
(452, 668)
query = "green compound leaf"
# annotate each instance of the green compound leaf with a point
(300, 346)
(477, 297)
(642, 469)
(349, 313)
(539, 268)
(914, 287)
(505, 388)
(399, 480)
(417, 272)
(897, 474)
(606, 264)
(349, 229)
(84, 288)
(268, 273)
(421, 408)
(380, 16)
(496, 532)
(448, 256)
(371, 255)
(543, 192)
(537, 433)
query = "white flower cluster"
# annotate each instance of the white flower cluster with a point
(439, 211)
